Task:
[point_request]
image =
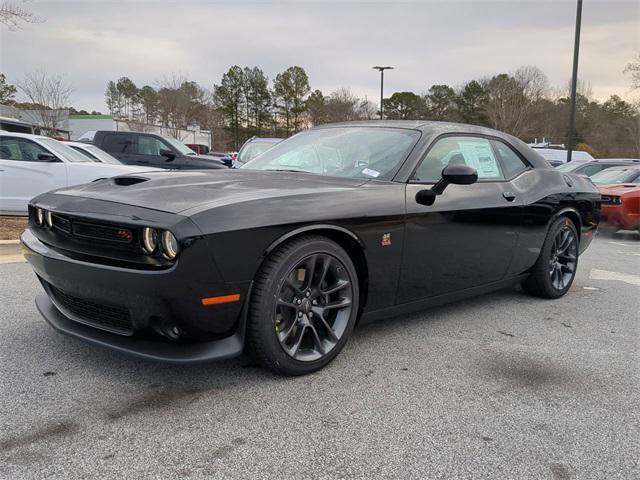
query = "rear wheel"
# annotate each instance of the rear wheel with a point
(303, 306)
(555, 269)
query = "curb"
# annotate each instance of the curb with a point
(10, 251)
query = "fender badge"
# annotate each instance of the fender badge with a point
(386, 240)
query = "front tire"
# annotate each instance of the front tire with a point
(303, 306)
(554, 271)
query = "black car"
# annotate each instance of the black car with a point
(337, 225)
(591, 168)
(150, 149)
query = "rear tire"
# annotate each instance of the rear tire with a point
(554, 271)
(303, 306)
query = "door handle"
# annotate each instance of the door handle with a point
(509, 196)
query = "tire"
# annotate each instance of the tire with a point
(554, 271)
(290, 331)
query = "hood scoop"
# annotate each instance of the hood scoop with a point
(126, 181)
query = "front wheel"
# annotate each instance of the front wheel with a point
(303, 306)
(555, 269)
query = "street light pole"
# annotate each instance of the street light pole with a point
(381, 70)
(574, 81)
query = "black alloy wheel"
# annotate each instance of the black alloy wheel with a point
(303, 306)
(564, 258)
(554, 271)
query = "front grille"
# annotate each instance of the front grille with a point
(113, 318)
(611, 200)
(90, 232)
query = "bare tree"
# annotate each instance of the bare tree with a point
(49, 96)
(634, 69)
(12, 14)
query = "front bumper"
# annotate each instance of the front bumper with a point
(145, 301)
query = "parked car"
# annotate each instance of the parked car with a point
(220, 156)
(32, 164)
(621, 206)
(629, 174)
(254, 147)
(556, 155)
(338, 224)
(590, 168)
(150, 149)
(199, 148)
(94, 153)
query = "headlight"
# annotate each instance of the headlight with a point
(48, 217)
(39, 216)
(149, 239)
(169, 245)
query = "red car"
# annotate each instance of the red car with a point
(620, 190)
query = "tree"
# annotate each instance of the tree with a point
(13, 14)
(470, 103)
(113, 99)
(230, 100)
(441, 103)
(149, 102)
(317, 108)
(257, 98)
(181, 104)
(633, 68)
(48, 95)
(129, 95)
(7, 91)
(291, 87)
(404, 106)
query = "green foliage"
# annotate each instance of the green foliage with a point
(404, 106)
(441, 103)
(7, 91)
(290, 89)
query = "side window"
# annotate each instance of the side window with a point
(148, 145)
(472, 151)
(117, 143)
(591, 170)
(21, 149)
(511, 163)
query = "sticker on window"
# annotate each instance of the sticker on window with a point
(371, 173)
(480, 156)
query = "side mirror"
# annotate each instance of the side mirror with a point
(47, 157)
(165, 152)
(451, 174)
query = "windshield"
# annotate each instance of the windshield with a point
(254, 149)
(567, 167)
(615, 175)
(63, 151)
(94, 152)
(357, 152)
(181, 147)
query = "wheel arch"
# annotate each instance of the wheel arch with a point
(573, 215)
(346, 239)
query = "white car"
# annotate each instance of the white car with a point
(32, 164)
(93, 153)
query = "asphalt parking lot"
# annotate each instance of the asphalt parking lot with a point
(501, 386)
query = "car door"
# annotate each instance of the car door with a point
(148, 151)
(122, 146)
(467, 238)
(24, 173)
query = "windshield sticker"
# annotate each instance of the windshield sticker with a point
(371, 173)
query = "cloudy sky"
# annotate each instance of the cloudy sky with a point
(428, 42)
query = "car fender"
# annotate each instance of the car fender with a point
(311, 229)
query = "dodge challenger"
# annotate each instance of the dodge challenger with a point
(340, 224)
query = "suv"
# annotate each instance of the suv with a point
(254, 147)
(595, 166)
(150, 149)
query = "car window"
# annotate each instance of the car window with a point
(472, 151)
(254, 149)
(63, 151)
(616, 175)
(591, 169)
(84, 152)
(511, 163)
(148, 145)
(118, 143)
(21, 149)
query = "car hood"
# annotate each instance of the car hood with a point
(179, 191)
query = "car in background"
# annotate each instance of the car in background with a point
(199, 148)
(254, 147)
(557, 156)
(150, 149)
(620, 207)
(618, 175)
(221, 157)
(94, 153)
(590, 168)
(33, 164)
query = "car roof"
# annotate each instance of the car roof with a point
(266, 139)
(23, 135)
(79, 144)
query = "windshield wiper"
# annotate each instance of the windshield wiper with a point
(285, 170)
